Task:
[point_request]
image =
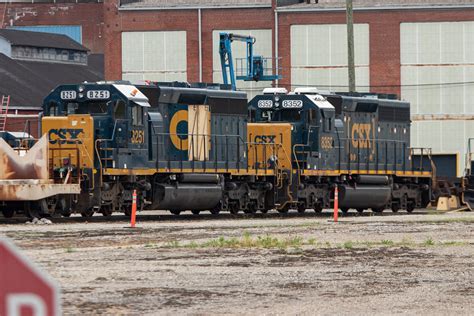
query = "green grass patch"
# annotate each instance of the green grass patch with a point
(348, 245)
(297, 242)
(70, 250)
(387, 242)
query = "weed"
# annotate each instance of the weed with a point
(172, 244)
(387, 242)
(70, 250)
(348, 245)
(429, 242)
(192, 245)
(453, 243)
(312, 241)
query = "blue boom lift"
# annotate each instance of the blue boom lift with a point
(254, 67)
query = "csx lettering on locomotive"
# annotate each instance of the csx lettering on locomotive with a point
(264, 139)
(65, 136)
(361, 135)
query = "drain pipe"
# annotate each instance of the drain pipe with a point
(276, 46)
(200, 44)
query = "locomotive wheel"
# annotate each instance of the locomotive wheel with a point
(66, 214)
(301, 208)
(175, 212)
(215, 211)
(284, 210)
(8, 213)
(106, 210)
(264, 211)
(395, 207)
(127, 211)
(410, 207)
(234, 209)
(318, 208)
(88, 213)
(251, 209)
(345, 210)
(195, 212)
(360, 210)
(377, 209)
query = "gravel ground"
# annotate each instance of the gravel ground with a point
(421, 263)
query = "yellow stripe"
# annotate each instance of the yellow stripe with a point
(380, 172)
(147, 172)
(260, 172)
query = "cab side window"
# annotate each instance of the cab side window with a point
(53, 109)
(137, 115)
(119, 110)
(328, 124)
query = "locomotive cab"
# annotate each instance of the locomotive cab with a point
(98, 114)
(312, 120)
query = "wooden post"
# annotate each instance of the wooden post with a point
(350, 46)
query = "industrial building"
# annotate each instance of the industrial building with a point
(421, 50)
(33, 63)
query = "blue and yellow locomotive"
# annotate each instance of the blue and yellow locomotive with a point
(203, 147)
(359, 143)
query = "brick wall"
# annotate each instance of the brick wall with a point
(384, 30)
(104, 23)
(23, 121)
(173, 20)
(89, 15)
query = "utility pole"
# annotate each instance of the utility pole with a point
(350, 46)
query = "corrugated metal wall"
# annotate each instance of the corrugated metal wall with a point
(263, 47)
(73, 31)
(437, 75)
(319, 56)
(157, 56)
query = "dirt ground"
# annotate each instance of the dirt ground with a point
(421, 263)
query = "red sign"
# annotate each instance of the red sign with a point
(24, 289)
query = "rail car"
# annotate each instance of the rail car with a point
(206, 148)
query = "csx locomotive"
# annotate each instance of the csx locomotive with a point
(205, 148)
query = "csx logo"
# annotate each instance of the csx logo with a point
(65, 136)
(361, 135)
(264, 139)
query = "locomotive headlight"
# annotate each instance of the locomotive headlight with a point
(81, 89)
(277, 104)
(277, 98)
(80, 95)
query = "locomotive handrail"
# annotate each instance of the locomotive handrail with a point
(399, 146)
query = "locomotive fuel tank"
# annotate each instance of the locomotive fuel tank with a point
(188, 192)
(364, 196)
